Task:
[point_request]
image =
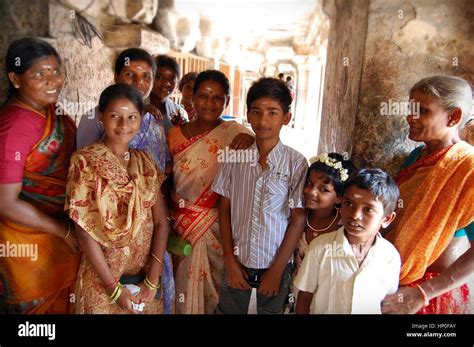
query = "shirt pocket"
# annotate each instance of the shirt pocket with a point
(276, 194)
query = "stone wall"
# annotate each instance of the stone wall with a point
(19, 18)
(87, 68)
(347, 32)
(406, 41)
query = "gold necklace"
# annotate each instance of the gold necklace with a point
(317, 231)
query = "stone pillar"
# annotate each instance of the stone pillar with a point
(301, 111)
(347, 33)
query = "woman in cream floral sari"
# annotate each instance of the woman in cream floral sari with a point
(194, 147)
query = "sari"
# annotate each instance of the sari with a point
(45, 284)
(436, 192)
(150, 138)
(198, 276)
(113, 204)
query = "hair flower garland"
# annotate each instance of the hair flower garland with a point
(331, 162)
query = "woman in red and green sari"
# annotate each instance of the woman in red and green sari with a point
(39, 260)
(194, 147)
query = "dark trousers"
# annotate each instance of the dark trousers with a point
(236, 301)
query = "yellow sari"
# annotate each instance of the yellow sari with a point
(113, 204)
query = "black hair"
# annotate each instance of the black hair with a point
(134, 54)
(333, 174)
(288, 78)
(380, 184)
(281, 75)
(273, 88)
(167, 61)
(212, 75)
(121, 91)
(190, 76)
(22, 54)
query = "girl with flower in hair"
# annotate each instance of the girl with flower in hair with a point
(323, 194)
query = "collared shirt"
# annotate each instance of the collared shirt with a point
(340, 286)
(151, 137)
(261, 201)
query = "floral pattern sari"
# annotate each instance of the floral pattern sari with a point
(198, 276)
(113, 204)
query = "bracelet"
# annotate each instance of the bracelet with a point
(68, 230)
(171, 219)
(157, 259)
(423, 294)
(150, 285)
(116, 293)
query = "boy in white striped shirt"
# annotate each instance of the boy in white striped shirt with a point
(261, 213)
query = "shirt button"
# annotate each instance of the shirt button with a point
(256, 219)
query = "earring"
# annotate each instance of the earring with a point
(17, 86)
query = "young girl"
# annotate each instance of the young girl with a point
(113, 196)
(186, 86)
(323, 193)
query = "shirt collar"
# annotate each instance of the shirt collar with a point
(275, 154)
(346, 246)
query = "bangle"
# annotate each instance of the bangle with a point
(423, 294)
(116, 293)
(171, 219)
(150, 285)
(157, 259)
(68, 230)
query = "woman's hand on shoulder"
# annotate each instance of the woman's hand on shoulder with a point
(242, 141)
(154, 111)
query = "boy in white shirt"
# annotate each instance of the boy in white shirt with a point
(352, 269)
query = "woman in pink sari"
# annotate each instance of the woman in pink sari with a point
(195, 147)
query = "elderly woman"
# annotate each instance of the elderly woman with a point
(433, 229)
(36, 143)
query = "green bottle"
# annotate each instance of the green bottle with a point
(178, 246)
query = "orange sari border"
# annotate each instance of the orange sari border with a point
(429, 160)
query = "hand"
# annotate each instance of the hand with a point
(125, 301)
(154, 111)
(146, 294)
(404, 300)
(270, 283)
(242, 141)
(236, 274)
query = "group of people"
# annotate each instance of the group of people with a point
(100, 201)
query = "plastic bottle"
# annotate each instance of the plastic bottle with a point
(178, 246)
